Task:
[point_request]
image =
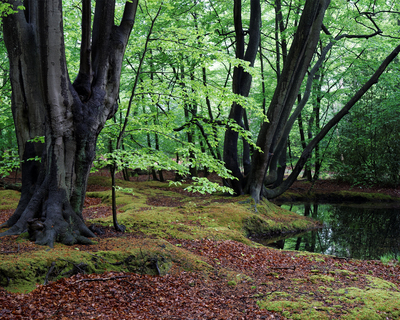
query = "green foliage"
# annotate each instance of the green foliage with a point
(203, 186)
(390, 257)
(177, 85)
(368, 149)
(9, 162)
(7, 9)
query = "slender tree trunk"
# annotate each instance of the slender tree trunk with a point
(241, 85)
(69, 116)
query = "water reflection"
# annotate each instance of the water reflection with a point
(352, 231)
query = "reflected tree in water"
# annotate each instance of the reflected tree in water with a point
(351, 231)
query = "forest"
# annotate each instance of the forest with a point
(259, 93)
(143, 144)
(178, 94)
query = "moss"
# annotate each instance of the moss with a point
(195, 219)
(337, 196)
(21, 272)
(379, 300)
(363, 196)
(344, 272)
(9, 199)
(218, 221)
(322, 278)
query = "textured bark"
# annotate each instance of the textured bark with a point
(69, 116)
(297, 62)
(241, 85)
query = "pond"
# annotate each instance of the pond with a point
(351, 231)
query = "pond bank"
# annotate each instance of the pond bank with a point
(333, 191)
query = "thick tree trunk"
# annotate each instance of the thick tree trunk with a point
(69, 116)
(297, 62)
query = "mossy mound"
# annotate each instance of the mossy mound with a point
(216, 217)
(22, 272)
(336, 197)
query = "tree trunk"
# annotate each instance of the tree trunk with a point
(241, 85)
(297, 62)
(321, 134)
(69, 116)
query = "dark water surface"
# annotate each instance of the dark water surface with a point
(352, 231)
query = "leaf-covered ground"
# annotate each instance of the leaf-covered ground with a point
(242, 279)
(205, 278)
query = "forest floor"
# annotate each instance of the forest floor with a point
(186, 257)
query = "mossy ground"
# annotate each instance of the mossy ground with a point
(21, 272)
(218, 217)
(376, 299)
(159, 220)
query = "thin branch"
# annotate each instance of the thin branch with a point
(119, 140)
(102, 279)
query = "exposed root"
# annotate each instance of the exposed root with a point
(52, 220)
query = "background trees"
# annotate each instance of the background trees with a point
(247, 82)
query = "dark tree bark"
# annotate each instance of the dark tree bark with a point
(241, 85)
(69, 116)
(280, 148)
(297, 62)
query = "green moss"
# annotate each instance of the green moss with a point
(344, 272)
(337, 196)
(379, 300)
(218, 221)
(196, 218)
(322, 278)
(21, 272)
(9, 199)
(350, 195)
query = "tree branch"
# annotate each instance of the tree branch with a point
(128, 18)
(83, 81)
(270, 194)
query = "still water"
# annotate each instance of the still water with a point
(352, 231)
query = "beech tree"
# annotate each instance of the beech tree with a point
(69, 115)
(272, 137)
(294, 70)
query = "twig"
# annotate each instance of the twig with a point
(95, 255)
(158, 269)
(102, 279)
(80, 268)
(287, 268)
(263, 295)
(46, 280)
